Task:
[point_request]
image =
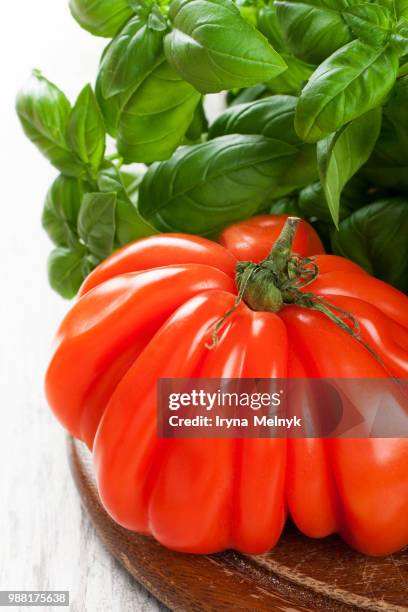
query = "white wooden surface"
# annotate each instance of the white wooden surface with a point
(46, 541)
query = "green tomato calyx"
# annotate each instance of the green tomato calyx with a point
(280, 280)
(267, 286)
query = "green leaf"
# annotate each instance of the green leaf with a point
(129, 224)
(313, 203)
(371, 23)
(86, 129)
(342, 154)
(292, 80)
(247, 8)
(155, 119)
(101, 17)
(131, 181)
(285, 206)
(214, 48)
(313, 29)
(112, 108)
(354, 80)
(401, 8)
(267, 23)
(96, 223)
(272, 117)
(157, 20)
(44, 112)
(198, 125)
(207, 186)
(132, 55)
(388, 165)
(375, 237)
(249, 94)
(61, 208)
(301, 172)
(399, 38)
(403, 69)
(65, 273)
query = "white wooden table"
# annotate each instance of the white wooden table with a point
(46, 541)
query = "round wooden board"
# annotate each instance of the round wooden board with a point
(298, 575)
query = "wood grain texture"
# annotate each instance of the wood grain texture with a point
(298, 575)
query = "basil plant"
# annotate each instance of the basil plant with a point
(315, 123)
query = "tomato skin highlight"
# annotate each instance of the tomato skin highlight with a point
(148, 312)
(158, 251)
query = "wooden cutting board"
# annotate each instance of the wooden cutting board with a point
(298, 575)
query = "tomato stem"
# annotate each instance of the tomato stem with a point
(262, 286)
(282, 249)
(270, 283)
(278, 280)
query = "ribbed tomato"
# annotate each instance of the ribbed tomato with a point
(148, 312)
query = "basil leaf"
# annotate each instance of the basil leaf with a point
(342, 154)
(86, 129)
(44, 112)
(395, 109)
(292, 80)
(131, 181)
(61, 208)
(354, 80)
(313, 203)
(89, 262)
(214, 48)
(156, 117)
(301, 172)
(96, 223)
(388, 165)
(207, 186)
(375, 237)
(313, 29)
(272, 117)
(249, 94)
(247, 9)
(136, 4)
(198, 125)
(129, 224)
(285, 206)
(111, 108)
(371, 23)
(101, 17)
(132, 55)
(401, 8)
(399, 38)
(65, 273)
(267, 23)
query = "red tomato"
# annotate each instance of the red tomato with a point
(148, 312)
(252, 239)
